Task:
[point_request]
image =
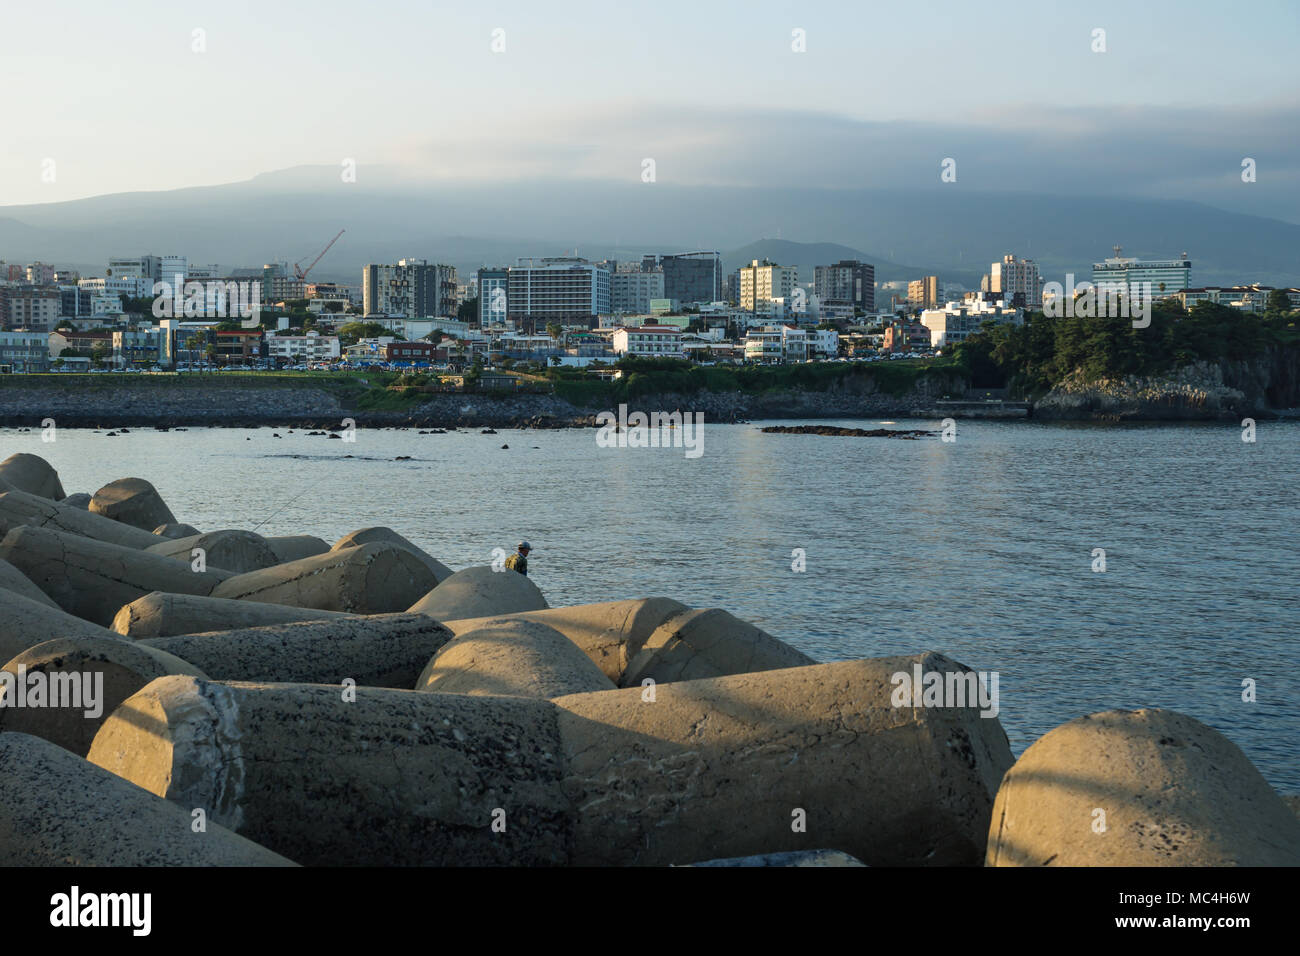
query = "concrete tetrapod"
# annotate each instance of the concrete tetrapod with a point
(730, 766)
(11, 579)
(744, 764)
(366, 535)
(79, 500)
(19, 508)
(25, 623)
(708, 643)
(610, 633)
(163, 615)
(389, 778)
(369, 579)
(95, 675)
(295, 547)
(132, 501)
(1139, 788)
(480, 592)
(175, 530)
(512, 657)
(57, 809)
(32, 474)
(230, 550)
(93, 579)
(381, 650)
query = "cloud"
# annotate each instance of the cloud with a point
(1190, 154)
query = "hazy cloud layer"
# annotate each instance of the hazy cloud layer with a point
(1154, 153)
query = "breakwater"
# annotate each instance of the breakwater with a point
(363, 702)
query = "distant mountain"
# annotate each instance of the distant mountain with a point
(290, 215)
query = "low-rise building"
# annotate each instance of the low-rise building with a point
(310, 347)
(958, 320)
(24, 351)
(649, 341)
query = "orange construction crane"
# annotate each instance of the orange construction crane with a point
(300, 273)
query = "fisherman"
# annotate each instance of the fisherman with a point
(519, 560)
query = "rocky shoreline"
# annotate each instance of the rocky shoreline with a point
(283, 701)
(1196, 393)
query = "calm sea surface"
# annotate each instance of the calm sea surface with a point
(981, 549)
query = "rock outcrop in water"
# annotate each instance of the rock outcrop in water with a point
(482, 727)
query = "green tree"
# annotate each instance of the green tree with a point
(1278, 302)
(467, 311)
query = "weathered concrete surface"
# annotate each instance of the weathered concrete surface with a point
(610, 633)
(132, 501)
(56, 809)
(104, 671)
(512, 657)
(1293, 802)
(20, 508)
(32, 474)
(163, 615)
(11, 579)
(93, 579)
(80, 500)
(231, 550)
(366, 535)
(1171, 791)
(392, 778)
(480, 592)
(175, 530)
(797, 858)
(25, 623)
(295, 547)
(368, 579)
(382, 650)
(708, 643)
(721, 767)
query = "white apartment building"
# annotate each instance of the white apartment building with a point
(312, 347)
(1017, 277)
(412, 329)
(129, 285)
(787, 343)
(108, 304)
(958, 320)
(657, 341)
(761, 282)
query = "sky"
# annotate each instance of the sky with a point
(163, 95)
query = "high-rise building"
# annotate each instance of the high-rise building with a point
(562, 289)
(140, 267)
(847, 282)
(493, 297)
(413, 288)
(1016, 281)
(1167, 276)
(630, 293)
(924, 293)
(763, 281)
(692, 278)
(174, 269)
